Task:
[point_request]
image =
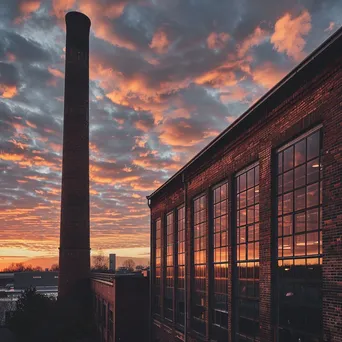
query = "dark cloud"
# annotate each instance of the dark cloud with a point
(8, 74)
(24, 49)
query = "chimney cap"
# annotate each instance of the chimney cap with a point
(77, 18)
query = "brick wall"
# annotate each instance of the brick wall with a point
(317, 101)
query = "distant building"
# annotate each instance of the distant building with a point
(112, 262)
(5, 279)
(24, 280)
(123, 270)
(246, 237)
(121, 305)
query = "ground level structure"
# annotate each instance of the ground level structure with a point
(246, 239)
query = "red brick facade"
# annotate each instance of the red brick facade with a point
(124, 300)
(310, 96)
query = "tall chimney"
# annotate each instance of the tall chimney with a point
(74, 251)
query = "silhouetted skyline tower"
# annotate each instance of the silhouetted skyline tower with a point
(74, 253)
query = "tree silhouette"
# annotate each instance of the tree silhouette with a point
(54, 267)
(129, 263)
(100, 262)
(33, 317)
(20, 267)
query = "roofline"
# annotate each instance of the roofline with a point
(292, 73)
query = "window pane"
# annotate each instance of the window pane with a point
(300, 223)
(300, 152)
(287, 224)
(300, 245)
(300, 199)
(300, 176)
(312, 219)
(312, 243)
(313, 145)
(288, 158)
(313, 171)
(312, 195)
(288, 181)
(280, 162)
(288, 203)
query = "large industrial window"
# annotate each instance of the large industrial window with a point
(247, 253)
(180, 294)
(199, 309)
(220, 263)
(299, 197)
(158, 259)
(168, 297)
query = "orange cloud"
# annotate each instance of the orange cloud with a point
(97, 10)
(180, 113)
(217, 40)
(236, 93)
(60, 7)
(217, 78)
(267, 75)
(11, 156)
(8, 91)
(160, 42)
(144, 186)
(289, 32)
(256, 38)
(101, 15)
(27, 7)
(142, 125)
(99, 176)
(56, 72)
(30, 124)
(19, 144)
(56, 147)
(180, 133)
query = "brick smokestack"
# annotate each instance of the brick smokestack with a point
(74, 251)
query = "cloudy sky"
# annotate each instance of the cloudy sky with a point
(166, 77)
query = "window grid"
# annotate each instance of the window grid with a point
(180, 296)
(299, 198)
(220, 261)
(158, 260)
(247, 252)
(169, 241)
(199, 308)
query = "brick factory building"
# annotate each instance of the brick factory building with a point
(246, 239)
(121, 304)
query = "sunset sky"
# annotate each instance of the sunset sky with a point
(166, 77)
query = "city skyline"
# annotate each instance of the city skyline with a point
(165, 80)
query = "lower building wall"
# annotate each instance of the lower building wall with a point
(132, 309)
(162, 332)
(104, 301)
(121, 309)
